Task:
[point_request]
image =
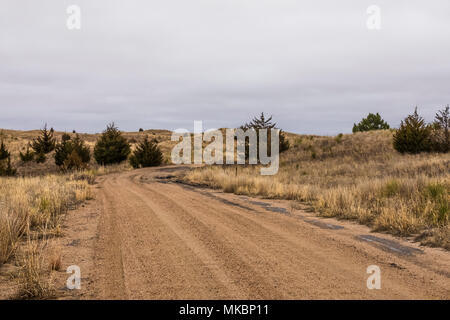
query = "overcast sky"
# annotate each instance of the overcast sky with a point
(314, 65)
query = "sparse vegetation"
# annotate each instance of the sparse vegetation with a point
(112, 147)
(357, 176)
(37, 202)
(33, 277)
(33, 208)
(17, 142)
(146, 154)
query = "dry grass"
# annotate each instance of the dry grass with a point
(33, 278)
(55, 259)
(358, 177)
(33, 208)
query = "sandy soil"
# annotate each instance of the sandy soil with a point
(147, 237)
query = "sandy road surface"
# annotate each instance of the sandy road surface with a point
(161, 240)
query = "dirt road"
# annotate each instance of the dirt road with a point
(162, 240)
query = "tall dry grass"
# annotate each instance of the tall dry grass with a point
(33, 208)
(358, 176)
(33, 277)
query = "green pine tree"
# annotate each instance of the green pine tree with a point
(27, 156)
(441, 131)
(111, 147)
(147, 154)
(72, 153)
(371, 122)
(4, 153)
(45, 143)
(413, 136)
(6, 168)
(262, 122)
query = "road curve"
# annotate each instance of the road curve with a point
(162, 240)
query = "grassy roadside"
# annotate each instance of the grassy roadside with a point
(32, 209)
(31, 214)
(359, 177)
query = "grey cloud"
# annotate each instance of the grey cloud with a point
(164, 64)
